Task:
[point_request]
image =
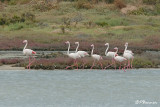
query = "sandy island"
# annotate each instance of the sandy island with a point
(10, 67)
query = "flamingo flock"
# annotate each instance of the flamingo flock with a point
(127, 57)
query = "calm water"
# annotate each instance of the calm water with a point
(85, 88)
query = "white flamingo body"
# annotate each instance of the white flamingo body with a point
(82, 53)
(74, 56)
(128, 54)
(28, 52)
(129, 51)
(120, 59)
(110, 55)
(96, 57)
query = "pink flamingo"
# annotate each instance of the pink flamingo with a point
(74, 56)
(96, 57)
(110, 54)
(119, 59)
(28, 52)
(128, 54)
(81, 53)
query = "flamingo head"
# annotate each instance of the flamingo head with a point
(126, 44)
(92, 45)
(116, 48)
(116, 54)
(76, 42)
(67, 42)
(25, 41)
(106, 44)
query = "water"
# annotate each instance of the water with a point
(85, 88)
(19, 54)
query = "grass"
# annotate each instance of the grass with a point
(108, 24)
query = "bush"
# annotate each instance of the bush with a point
(119, 3)
(157, 9)
(151, 2)
(28, 16)
(154, 39)
(10, 61)
(142, 11)
(102, 24)
(6, 20)
(43, 5)
(83, 4)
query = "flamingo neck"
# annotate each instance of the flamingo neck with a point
(25, 46)
(125, 47)
(117, 51)
(68, 48)
(92, 50)
(107, 50)
(77, 48)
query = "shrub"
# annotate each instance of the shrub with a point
(102, 24)
(83, 4)
(43, 5)
(154, 39)
(27, 16)
(151, 2)
(157, 9)
(2, 21)
(16, 26)
(62, 29)
(142, 11)
(10, 61)
(119, 3)
(6, 20)
(109, 1)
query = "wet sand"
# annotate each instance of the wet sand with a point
(9, 67)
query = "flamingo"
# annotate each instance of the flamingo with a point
(119, 59)
(110, 54)
(81, 53)
(74, 56)
(28, 52)
(128, 54)
(96, 57)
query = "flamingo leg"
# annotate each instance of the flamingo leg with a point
(115, 65)
(93, 64)
(101, 64)
(77, 64)
(131, 63)
(124, 67)
(120, 66)
(110, 64)
(29, 63)
(71, 65)
(84, 64)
